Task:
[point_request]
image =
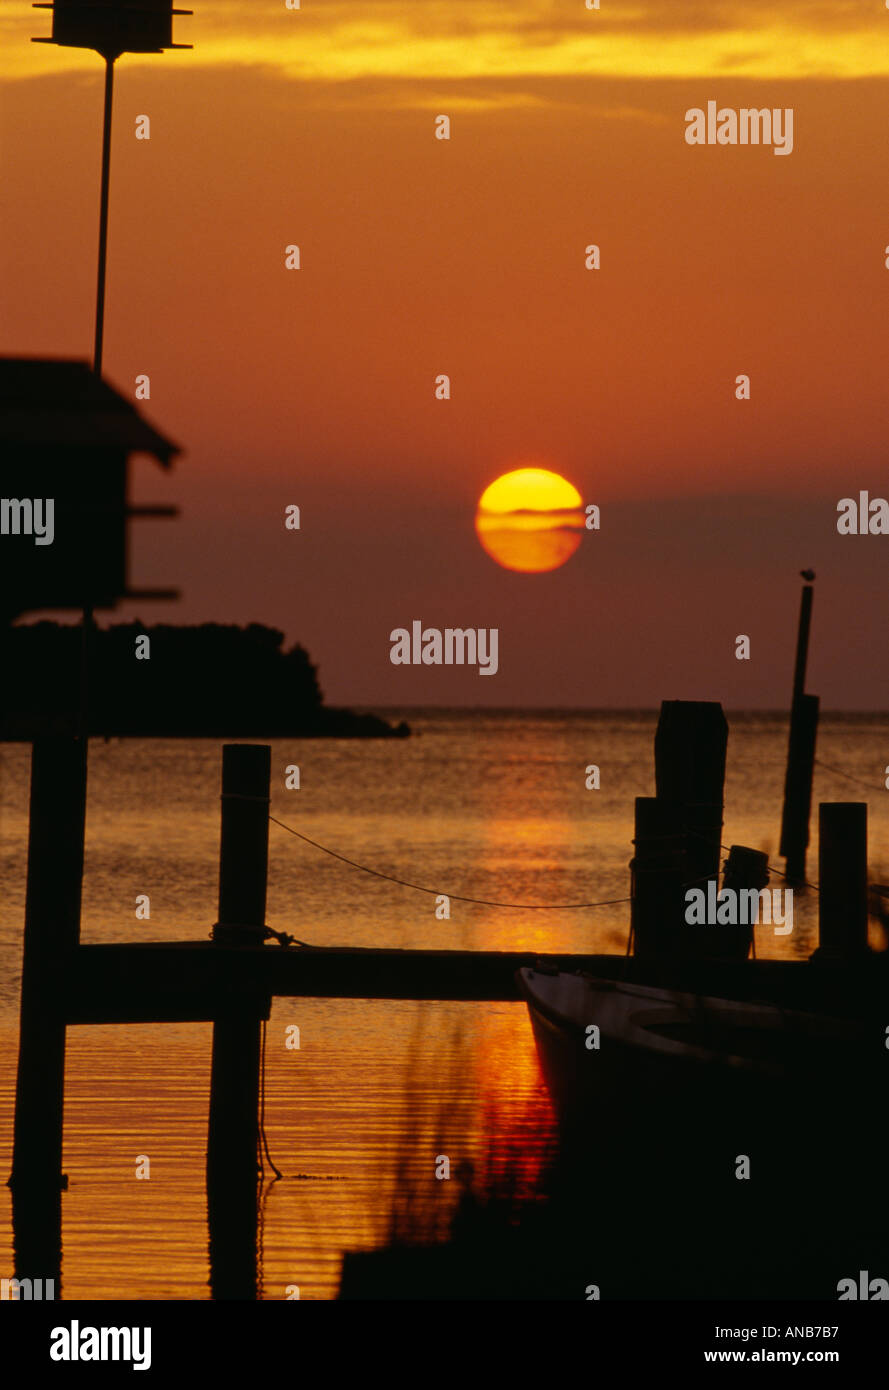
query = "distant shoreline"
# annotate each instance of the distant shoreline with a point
(215, 680)
(336, 724)
(408, 710)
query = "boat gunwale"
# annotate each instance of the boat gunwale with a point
(671, 1001)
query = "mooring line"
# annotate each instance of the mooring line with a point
(771, 867)
(263, 1142)
(438, 892)
(489, 902)
(859, 781)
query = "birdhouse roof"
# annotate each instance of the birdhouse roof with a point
(56, 401)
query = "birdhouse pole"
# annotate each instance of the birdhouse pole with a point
(103, 216)
(125, 26)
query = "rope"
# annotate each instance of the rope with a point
(488, 902)
(263, 1141)
(436, 892)
(283, 938)
(781, 873)
(848, 775)
(771, 867)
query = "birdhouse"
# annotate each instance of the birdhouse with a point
(112, 27)
(66, 438)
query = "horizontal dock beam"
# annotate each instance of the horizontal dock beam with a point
(200, 981)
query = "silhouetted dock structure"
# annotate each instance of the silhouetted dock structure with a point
(232, 979)
(67, 435)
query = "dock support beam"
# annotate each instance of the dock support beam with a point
(233, 1132)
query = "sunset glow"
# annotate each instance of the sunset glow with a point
(455, 40)
(468, 256)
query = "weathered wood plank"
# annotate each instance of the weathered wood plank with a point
(180, 980)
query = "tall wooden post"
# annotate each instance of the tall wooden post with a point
(52, 934)
(232, 1140)
(802, 641)
(689, 751)
(842, 879)
(800, 754)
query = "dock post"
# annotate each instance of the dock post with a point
(689, 752)
(657, 866)
(842, 879)
(800, 755)
(747, 869)
(52, 934)
(233, 1130)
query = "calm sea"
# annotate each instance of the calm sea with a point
(487, 805)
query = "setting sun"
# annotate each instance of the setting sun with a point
(530, 520)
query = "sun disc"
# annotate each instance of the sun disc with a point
(530, 520)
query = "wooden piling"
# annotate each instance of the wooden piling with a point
(689, 753)
(802, 641)
(798, 787)
(842, 879)
(52, 934)
(233, 1130)
(657, 875)
(744, 869)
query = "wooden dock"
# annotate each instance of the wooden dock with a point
(191, 981)
(230, 980)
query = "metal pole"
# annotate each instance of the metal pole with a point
(103, 216)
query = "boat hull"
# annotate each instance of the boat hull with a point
(612, 1053)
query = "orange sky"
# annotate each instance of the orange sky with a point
(466, 257)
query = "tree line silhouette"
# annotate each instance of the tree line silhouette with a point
(211, 680)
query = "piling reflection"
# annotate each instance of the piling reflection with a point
(37, 1234)
(233, 1224)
